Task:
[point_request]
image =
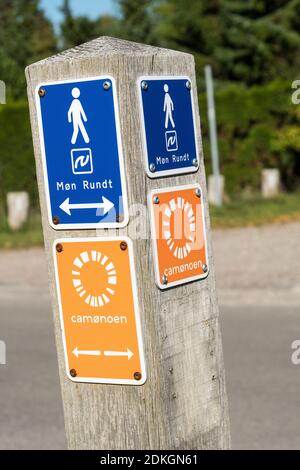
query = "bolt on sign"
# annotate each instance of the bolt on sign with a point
(99, 311)
(82, 154)
(168, 125)
(178, 235)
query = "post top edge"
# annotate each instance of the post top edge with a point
(104, 46)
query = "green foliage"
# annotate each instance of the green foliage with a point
(77, 30)
(258, 128)
(17, 168)
(137, 20)
(25, 36)
(250, 42)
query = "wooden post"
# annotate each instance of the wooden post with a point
(183, 404)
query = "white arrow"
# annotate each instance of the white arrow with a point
(128, 353)
(106, 205)
(78, 353)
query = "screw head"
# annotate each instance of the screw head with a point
(42, 92)
(106, 85)
(137, 376)
(156, 200)
(73, 373)
(56, 220)
(205, 268)
(152, 167)
(144, 85)
(188, 84)
(123, 246)
(59, 248)
(198, 192)
(195, 162)
(164, 280)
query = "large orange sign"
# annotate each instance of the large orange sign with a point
(99, 310)
(179, 236)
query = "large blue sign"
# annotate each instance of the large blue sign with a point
(82, 154)
(169, 131)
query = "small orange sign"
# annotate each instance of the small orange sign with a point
(99, 310)
(179, 236)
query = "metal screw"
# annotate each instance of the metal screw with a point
(188, 85)
(106, 85)
(42, 92)
(144, 85)
(137, 376)
(195, 162)
(123, 246)
(174, 396)
(205, 268)
(164, 280)
(73, 373)
(152, 167)
(156, 200)
(56, 220)
(59, 248)
(198, 192)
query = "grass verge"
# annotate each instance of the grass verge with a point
(257, 211)
(237, 213)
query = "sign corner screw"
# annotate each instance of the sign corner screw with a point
(137, 376)
(188, 84)
(205, 268)
(59, 248)
(42, 92)
(123, 246)
(73, 373)
(144, 85)
(106, 85)
(164, 280)
(156, 200)
(152, 167)
(56, 220)
(198, 192)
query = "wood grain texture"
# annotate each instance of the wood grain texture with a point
(183, 404)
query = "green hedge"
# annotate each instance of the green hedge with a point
(17, 168)
(258, 128)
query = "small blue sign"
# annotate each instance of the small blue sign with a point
(82, 154)
(168, 121)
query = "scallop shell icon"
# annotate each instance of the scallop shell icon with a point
(94, 278)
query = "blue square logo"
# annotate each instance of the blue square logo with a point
(82, 162)
(171, 141)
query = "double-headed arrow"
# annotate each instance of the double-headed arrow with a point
(127, 353)
(106, 205)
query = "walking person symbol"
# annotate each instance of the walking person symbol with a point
(168, 108)
(76, 115)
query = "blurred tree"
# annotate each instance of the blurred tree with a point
(137, 20)
(26, 35)
(76, 30)
(252, 42)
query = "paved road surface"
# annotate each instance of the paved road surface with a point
(258, 276)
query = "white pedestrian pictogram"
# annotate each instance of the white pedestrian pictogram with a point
(76, 115)
(168, 108)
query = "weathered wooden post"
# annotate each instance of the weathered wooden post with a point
(183, 402)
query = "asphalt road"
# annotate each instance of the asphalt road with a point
(258, 274)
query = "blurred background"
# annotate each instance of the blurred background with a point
(253, 49)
